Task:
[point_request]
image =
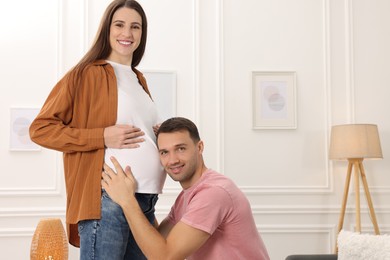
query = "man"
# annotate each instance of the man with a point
(211, 218)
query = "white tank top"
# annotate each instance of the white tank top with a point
(136, 108)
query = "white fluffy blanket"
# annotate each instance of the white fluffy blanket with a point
(356, 246)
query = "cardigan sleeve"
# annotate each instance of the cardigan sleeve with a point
(54, 128)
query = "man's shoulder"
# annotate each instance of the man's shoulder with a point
(216, 178)
(214, 181)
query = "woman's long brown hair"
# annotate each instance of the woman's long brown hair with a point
(101, 48)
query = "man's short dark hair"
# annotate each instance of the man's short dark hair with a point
(177, 124)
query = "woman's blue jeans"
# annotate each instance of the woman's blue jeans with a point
(110, 237)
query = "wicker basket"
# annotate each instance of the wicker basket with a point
(49, 241)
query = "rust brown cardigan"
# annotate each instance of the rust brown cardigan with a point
(72, 120)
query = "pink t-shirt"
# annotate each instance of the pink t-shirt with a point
(217, 206)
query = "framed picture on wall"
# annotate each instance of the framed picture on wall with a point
(162, 86)
(274, 100)
(21, 119)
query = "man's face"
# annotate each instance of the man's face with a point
(181, 157)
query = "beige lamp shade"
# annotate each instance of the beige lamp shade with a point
(355, 141)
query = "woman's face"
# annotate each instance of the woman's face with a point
(125, 35)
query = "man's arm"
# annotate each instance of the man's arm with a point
(175, 242)
(165, 227)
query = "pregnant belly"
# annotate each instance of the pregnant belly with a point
(145, 165)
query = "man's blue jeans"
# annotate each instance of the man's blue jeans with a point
(110, 237)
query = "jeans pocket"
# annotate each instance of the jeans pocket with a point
(105, 195)
(86, 224)
(80, 226)
(147, 202)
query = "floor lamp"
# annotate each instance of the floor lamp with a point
(355, 142)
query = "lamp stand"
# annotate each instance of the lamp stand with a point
(359, 173)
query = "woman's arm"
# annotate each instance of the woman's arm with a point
(55, 126)
(82, 118)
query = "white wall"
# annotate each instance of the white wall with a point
(338, 48)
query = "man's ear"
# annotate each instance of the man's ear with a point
(200, 146)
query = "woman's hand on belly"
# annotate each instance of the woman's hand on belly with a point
(123, 136)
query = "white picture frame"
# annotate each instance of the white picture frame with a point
(274, 100)
(20, 121)
(162, 86)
